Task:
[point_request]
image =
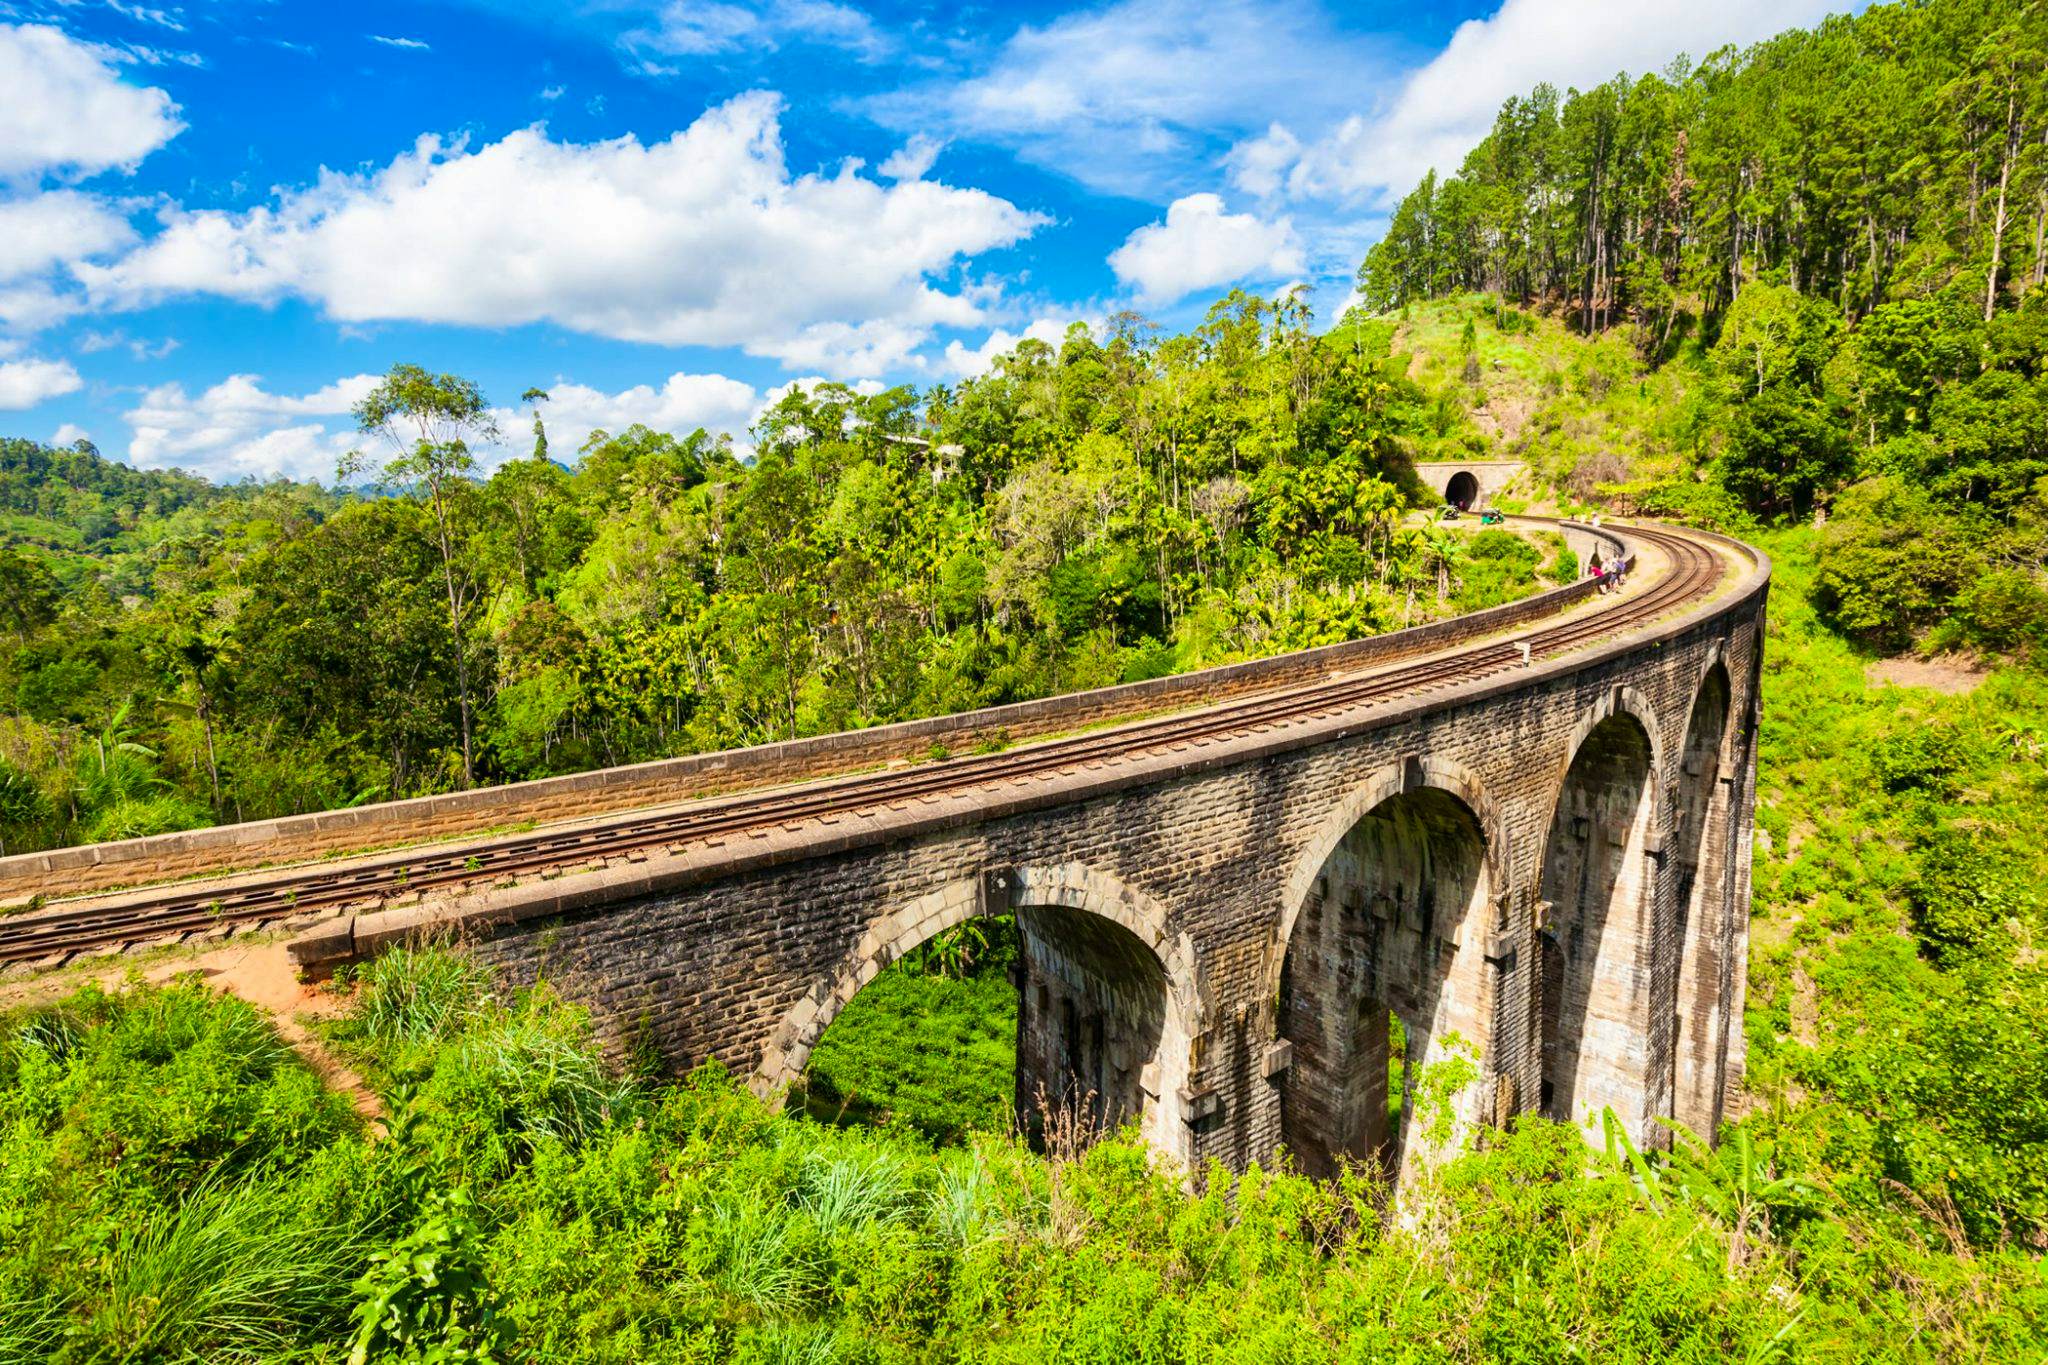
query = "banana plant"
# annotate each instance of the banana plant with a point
(1738, 1185)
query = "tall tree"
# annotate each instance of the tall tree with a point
(428, 420)
(535, 397)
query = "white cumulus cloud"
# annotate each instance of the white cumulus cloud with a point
(68, 112)
(238, 429)
(703, 239)
(44, 230)
(965, 362)
(1444, 108)
(913, 158)
(1138, 97)
(683, 403)
(25, 383)
(69, 433)
(1200, 246)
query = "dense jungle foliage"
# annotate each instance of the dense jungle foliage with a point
(1793, 293)
(1826, 256)
(1877, 157)
(1100, 512)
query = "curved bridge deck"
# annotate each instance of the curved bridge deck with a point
(1522, 833)
(1265, 704)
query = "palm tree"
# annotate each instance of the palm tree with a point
(1442, 552)
(1408, 568)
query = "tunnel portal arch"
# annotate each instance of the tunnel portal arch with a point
(1462, 491)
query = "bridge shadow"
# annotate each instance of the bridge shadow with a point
(1091, 1016)
(1390, 929)
(1595, 970)
(1700, 869)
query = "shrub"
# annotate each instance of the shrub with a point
(1924, 757)
(427, 1298)
(411, 995)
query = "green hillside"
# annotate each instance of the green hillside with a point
(1794, 292)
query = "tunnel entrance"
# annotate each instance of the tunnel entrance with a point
(1385, 948)
(1462, 492)
(1060, 1022)
(1594, 999)
(1699, 867)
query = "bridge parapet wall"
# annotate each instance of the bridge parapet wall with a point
(298, 838)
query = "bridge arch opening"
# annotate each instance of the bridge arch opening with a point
(1389, 933)
(1092, 1021)
(1595, 986)
(1462, 492)
(1106, 1004)
(1699, 883)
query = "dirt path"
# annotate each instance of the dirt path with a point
(262, 975)
(258, 972)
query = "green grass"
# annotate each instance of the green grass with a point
(410, 997)
(1587, 414)
(1896, 973)
(937, 1053)
(690, 1222)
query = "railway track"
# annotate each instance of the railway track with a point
(51, 936)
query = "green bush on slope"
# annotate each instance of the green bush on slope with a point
(691, 1222)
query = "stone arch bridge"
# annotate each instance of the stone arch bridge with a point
(1524, 835)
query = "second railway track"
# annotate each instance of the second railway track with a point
(57, 934)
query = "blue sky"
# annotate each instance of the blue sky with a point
(219, 221)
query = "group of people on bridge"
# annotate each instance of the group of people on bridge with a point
(1606, 574)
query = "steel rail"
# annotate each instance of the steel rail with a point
(60, 933)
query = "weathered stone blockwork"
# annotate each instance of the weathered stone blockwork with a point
(1160, 908)
(1471, 484)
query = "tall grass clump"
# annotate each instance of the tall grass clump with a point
(413, 995)
(174, 1183)
(751, 1247)
(233, 1270)
(851, 1192)
(536, 1075)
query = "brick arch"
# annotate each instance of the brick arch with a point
(1385, 783)
(1715, 658)
(1007, 890)
(1621, 701)
(1361, 967)
(885, 939)
(1596, 978)
(1076, 886)
(1699, 910)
